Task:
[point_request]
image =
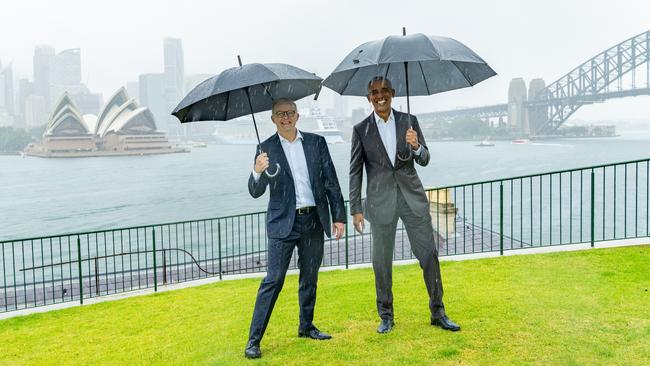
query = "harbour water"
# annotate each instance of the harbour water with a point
(40, 197)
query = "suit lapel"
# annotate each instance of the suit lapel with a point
(374, 131)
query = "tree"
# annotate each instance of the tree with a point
(14, 140)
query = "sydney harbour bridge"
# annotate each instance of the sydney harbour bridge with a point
(620, 71)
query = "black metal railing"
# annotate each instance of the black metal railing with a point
(585, 205)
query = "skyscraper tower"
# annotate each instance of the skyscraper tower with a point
(174, 78)
(8, 89)
(66, 67)
(43, 59)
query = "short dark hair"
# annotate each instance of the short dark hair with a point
(380, 78)
(283, 101)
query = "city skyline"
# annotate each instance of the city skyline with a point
(513, 37)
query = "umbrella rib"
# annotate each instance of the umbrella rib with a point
(347, 84)
(267, 90)
(227, 102)
(426, 85)
(462, 73)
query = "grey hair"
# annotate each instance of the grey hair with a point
(380, 78)
(283, 101)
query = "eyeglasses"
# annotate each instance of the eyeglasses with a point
(375, 92)
(281, 114)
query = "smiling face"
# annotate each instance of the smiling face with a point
(285, 116)
(380, 94)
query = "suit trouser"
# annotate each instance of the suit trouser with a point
(307, 235)
(423, 244)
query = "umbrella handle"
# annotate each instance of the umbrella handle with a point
(408, 157)
(271, 175)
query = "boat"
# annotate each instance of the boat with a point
(521, 141)
(485, 143)
(328, 129)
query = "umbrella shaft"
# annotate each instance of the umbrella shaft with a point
(250, 105)
(408, 104)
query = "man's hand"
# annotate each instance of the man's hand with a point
(337, 229)
(261, 163)
(357, 219)
(412, 138)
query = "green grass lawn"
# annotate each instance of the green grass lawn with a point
(572, 308)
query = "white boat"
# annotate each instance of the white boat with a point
(521, 141)
(328, 129)
(485, 143)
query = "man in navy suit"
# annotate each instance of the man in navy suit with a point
(302, 195)
(394, 191)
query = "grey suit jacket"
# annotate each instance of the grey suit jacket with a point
(383, 179)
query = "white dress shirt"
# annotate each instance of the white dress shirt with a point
(388, 133)
(298, 164)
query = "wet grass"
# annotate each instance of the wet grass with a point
(573, 308)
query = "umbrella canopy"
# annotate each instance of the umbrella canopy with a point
(243, 90)
(433, 65)
(226, 95)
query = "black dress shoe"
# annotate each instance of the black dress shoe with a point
(445, 323)
(385, 326)
(252, 350)
(313, 333)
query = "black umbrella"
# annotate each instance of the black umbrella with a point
(244, 90)
(416, 64)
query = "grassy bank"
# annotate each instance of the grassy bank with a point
(573, 308)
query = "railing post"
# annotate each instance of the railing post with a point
(164, 252)
(219, 245)
(81, 285)
(97, 277)
(347, 263)
(501, 218)
(593, 208)
(155, 270)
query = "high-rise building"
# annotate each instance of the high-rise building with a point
(43, 58)
(65, 77)
(25, 89)
(152, 95)
(36, 111)
(9, 90)
(174, 79)
(2, 89)
(340, 106)
(174, 68)
(6, 96)
(133, 88)
(66, 67)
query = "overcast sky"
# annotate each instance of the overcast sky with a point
(121, 39)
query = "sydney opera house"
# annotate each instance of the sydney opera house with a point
(121, 128)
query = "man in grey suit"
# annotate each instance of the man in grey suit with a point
(393, 192)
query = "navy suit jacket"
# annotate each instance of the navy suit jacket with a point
(281, 212)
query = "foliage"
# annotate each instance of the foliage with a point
(14, 140)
